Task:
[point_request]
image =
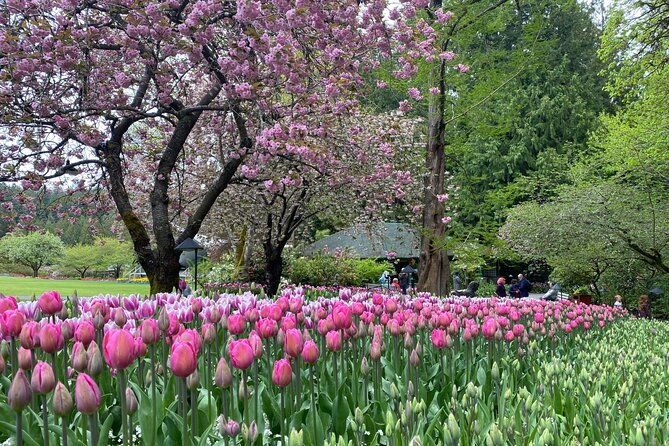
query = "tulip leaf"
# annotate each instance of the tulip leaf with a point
(27, 438)
(204, 438)
(316, 433)
(104, 430)
(481, 376)
(271, 408)
(340, 414)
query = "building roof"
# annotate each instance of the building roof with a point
(372, 240)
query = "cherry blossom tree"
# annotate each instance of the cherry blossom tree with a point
(94, 86)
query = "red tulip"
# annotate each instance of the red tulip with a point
(293, 342)
(342, 317)
(183, 359)
(241, 354)
(86, 394)
(150, 331)
(118, 348)
(42, 380)
(310, 352)
(50, 338)
(19, 394)
(50, 302)
(236, 324)
(333, 341)
(84, 333)
(282, 374)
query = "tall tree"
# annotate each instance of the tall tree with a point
(33, 250)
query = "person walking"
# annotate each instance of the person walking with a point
(457, 282)
(524, 286)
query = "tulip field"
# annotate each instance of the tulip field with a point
(349, 369)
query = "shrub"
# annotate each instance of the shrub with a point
(369, 270)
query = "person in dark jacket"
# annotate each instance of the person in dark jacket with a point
(513, 289)
(523, 286)
(501, 289)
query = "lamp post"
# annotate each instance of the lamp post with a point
(190, 245)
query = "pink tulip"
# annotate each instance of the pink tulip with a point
(333, 341)
(236, 324)
(208, 333)
(509, 336)
(293, 342)
(8, 303)
(85, 333)
(489, 328)
(42, 380)
(25, 359)
(86, 394)
(282, 375)
(50, 338)
(139, 348)
(19, 394)
(50, 302)
(539, 318)
(150, 331)
(183, 360)
(438, 338)
(29, 335)
(193, 337)
(342, 317)
(310, 352)
(256, 344)
(118, 348)
(223, 376)
(241, 354)
(61, 401)
(11, 323)
(267, 328)
(79, 357)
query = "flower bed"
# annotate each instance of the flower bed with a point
(364, 368)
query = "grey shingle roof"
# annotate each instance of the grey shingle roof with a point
(372, 240)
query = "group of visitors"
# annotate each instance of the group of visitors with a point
(400, 284)
(517, 288)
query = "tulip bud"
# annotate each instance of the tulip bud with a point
(98, 321)
(232, 428)
(19, 394)
(394, 392)
(296, 438)
(223, 376)
(414, 360)
(214, 316)
(359, 417)
(62, 400)
(25, 359)
(282, 375)
(209, 334)
(364, 367)
(193, 380)
(243, 391)
(130, 401)
(86, 394)
(495, 371)
(95, 364)
(410, 389)
(163, 320)
(252, 433)
(42, 380)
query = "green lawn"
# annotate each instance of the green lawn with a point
(27, 286)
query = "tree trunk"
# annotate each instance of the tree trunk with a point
(273, 271)
(434, 268)
(35, 271)
(163, 274)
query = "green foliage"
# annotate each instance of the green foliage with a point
(81, 258)
(322, 269)
(369, 270)
(116, 254)
(34, 250)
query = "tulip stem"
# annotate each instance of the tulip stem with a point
(313, 404)
(193, 412)
(298, 389)
(207, 377)
(45, 421)
(334, 371)
(243, 397)
(124, 409)
(19, 427)
(153, 386)
(63, 422)
(283, 412)
(255, 389)
(93, 421)
(184, 407)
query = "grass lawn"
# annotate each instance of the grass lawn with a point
(27, 286)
